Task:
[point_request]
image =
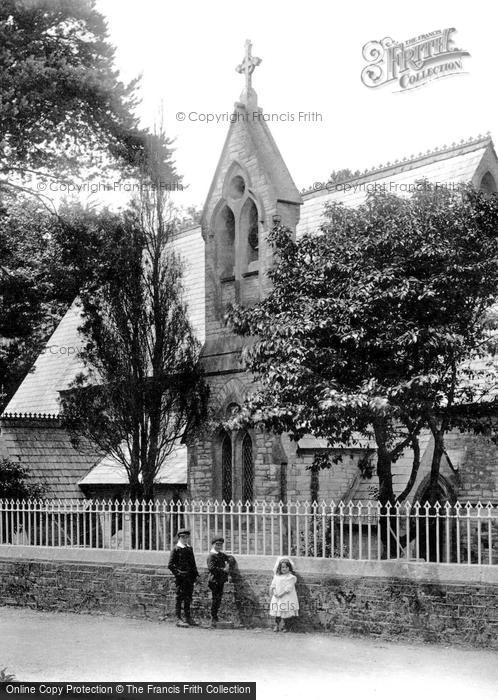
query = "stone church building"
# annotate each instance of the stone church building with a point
(227, 259)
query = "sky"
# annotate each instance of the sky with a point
(186, 53)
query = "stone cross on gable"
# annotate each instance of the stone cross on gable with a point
(247, 68)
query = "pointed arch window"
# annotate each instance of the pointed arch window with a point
(225, 233)
(226, 467)
(249, 229)
(488, 183)
(247, 469)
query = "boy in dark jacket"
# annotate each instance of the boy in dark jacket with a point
(183, 567)
(218, 564)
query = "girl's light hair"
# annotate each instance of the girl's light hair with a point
(284, 561)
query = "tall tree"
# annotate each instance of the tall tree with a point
(30, 306)
(144, 390)
(62, 105)
(63, 113)
(376, 326)
(44, 260)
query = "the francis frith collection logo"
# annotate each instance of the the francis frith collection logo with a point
(412, 63)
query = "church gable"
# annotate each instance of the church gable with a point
(251, 188)
(250, 145)
(250, 148)
(485, 176)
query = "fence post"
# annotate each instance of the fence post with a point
(479, 509)
(447, 509)
(457, 517)
(468, 508)
(323, 507)
(489, 508)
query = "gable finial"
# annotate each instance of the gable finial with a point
(247, 68)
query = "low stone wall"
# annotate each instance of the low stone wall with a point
(443, 603)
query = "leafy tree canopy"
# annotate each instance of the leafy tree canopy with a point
(337, 176)
(62, 105)
(376, 326)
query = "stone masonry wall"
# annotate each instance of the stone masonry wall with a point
(477, 478)
(388, 600)
(269, 452)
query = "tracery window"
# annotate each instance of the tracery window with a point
(225, 231)
(236, 227)
(249, 232)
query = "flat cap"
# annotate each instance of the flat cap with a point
(217, 538)
(183, 532)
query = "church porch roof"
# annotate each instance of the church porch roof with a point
(109, 471)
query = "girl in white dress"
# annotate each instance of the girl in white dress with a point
(284, 603)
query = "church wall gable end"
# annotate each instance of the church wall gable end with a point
(486, 174)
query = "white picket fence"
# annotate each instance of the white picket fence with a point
(447, 533)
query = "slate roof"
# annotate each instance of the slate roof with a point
(53, 371)
(448, 166)
(110, 471)
(46, 450)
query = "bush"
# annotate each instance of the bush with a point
(306, 547)
(15, 482)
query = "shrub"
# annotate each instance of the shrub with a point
(15, 482)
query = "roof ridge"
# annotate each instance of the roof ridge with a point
(438, 150)
(29, 416)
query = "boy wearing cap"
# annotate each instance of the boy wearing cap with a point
(218, 564)
(183, 567)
